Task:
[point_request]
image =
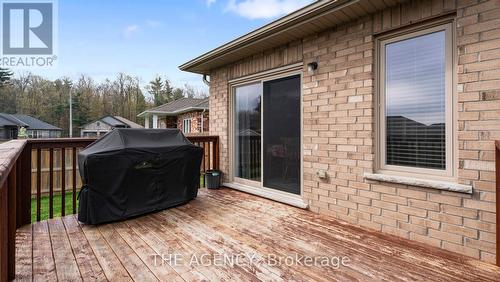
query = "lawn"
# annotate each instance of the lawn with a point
(44, 209)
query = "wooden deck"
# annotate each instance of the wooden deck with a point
(231, 223)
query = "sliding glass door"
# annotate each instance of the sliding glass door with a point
(247, 132)
(281, 137)
(266, 134)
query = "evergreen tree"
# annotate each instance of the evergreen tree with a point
(156, 89)
(163, 92)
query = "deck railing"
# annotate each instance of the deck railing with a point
(54, 170)
(210, 145)
(67, 149)
(10, 170)
(497, 180)
(44, 168)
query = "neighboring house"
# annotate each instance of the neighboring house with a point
(380, 113)
(105, 125)
(188, 114)
(35, 128)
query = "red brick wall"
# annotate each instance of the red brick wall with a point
(167, 122)
(338, 127)
(195, 118)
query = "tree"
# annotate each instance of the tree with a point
(7, 99)
(177, 94)
(159, 90)
(191, 92)
(48, 100)
(5, 76)
(81, 110)
(163, 92)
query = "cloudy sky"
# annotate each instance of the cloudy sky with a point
(146, 37)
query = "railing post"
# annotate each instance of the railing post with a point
(10, 153)
(19, 183)
(24, 189)
(11, 215)
(63, 181)
(38, 183)
(497, 180)
(216, 153)
(4, 254)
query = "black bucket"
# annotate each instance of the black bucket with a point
(213, 178)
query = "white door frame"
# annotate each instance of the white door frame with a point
(256, 187)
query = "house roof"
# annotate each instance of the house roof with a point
(117, 121)
(25, 121)
(128, 122)
(9, 120)
(182, 105)
(318, 16)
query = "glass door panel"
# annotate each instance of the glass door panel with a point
(247, 131)
(281, 134)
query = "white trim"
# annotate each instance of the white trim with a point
(434, 184)
(272, 194)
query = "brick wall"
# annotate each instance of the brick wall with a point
(338, 129)
(195, 118)
(167, 122)
(219, 116)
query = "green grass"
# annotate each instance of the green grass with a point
(44, 207)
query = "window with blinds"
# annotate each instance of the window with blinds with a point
(415, 86)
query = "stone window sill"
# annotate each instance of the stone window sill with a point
(433, 184)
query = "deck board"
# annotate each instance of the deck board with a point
(109, 262)
(44, 269)
(144, 251)
(24, 253)
(64, 259)
(228, 222)
(187, 249)
(296, 244)
(136, 268)
(163, 244)
(439, 263)
(85, 258)
(367, 256)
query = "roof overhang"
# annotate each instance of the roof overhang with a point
(174, 113)
(318, 16)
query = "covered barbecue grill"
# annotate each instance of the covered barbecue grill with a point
(129, 172)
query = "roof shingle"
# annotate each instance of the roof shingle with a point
(179, 106)
(26, 121)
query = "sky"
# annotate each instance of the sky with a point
(101, 38)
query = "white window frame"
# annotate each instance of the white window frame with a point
(186, 129)
(449, 173)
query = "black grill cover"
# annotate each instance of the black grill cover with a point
(129, 172)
